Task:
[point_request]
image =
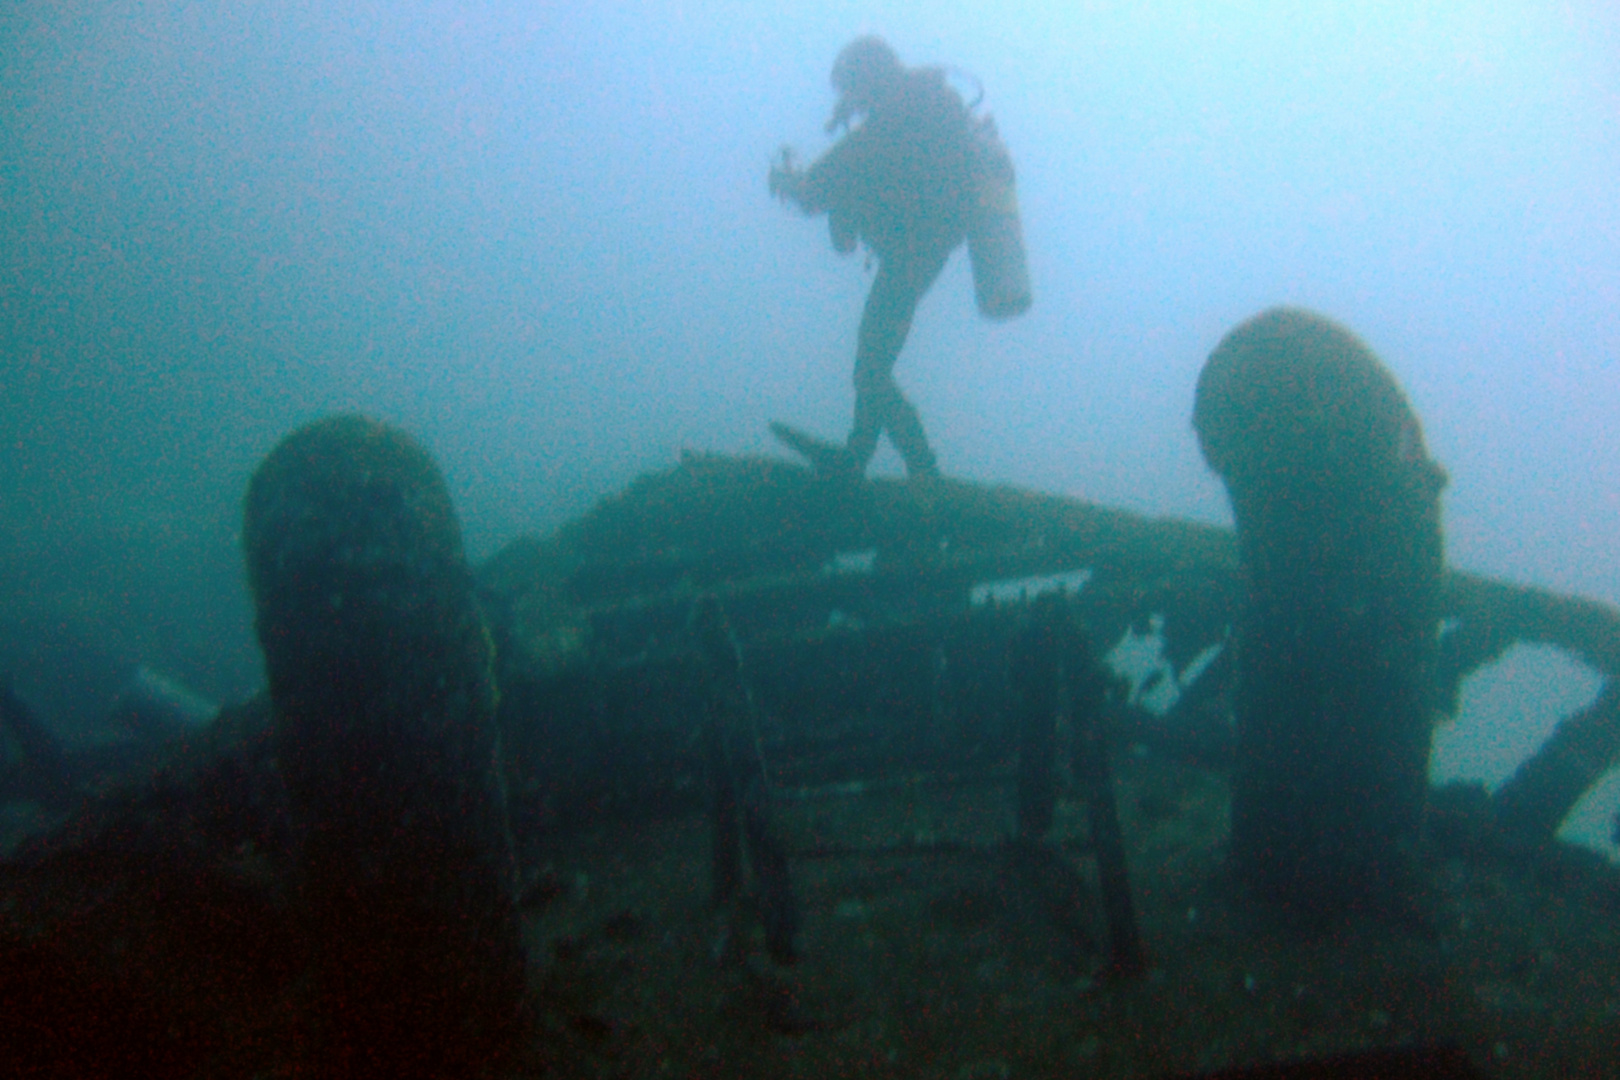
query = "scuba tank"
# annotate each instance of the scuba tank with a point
(995, 235)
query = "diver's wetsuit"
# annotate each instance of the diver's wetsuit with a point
(902, 182)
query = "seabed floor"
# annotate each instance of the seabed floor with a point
(963, 967)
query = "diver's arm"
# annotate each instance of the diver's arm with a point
(833, 179)
(789, 183)
(832, 185)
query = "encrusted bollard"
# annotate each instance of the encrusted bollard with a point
(379, 668)
(1338, 517)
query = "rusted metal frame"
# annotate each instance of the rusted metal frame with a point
(1588, 629)
(1110, 607)
(1543, 790)
(1085, 688)
(1125, 551)
(1033, 675)
(1053, 669)
(1490, 616)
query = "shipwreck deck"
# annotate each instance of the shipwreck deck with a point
(871, 624)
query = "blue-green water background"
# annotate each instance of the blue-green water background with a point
(538, 236)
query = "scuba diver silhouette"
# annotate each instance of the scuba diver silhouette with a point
(918, 176)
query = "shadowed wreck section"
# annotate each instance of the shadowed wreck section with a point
(380, 678)
(1338, 519)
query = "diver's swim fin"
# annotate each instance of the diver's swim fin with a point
(825, 457)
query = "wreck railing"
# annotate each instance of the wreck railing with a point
(927, 564)
(1484, 619)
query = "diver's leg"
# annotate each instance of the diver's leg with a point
(906, 432)
(885, 322)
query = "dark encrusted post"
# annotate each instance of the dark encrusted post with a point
(1052, 654)
(1086, 682)
(741, 789)
(379, 667)
(1033, 668)
(1338, 516)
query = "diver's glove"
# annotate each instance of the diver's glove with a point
(786, 181)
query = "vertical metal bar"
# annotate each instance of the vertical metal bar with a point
(1033, 669)
(1087, 687)
(742, 788)
(725, 868)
